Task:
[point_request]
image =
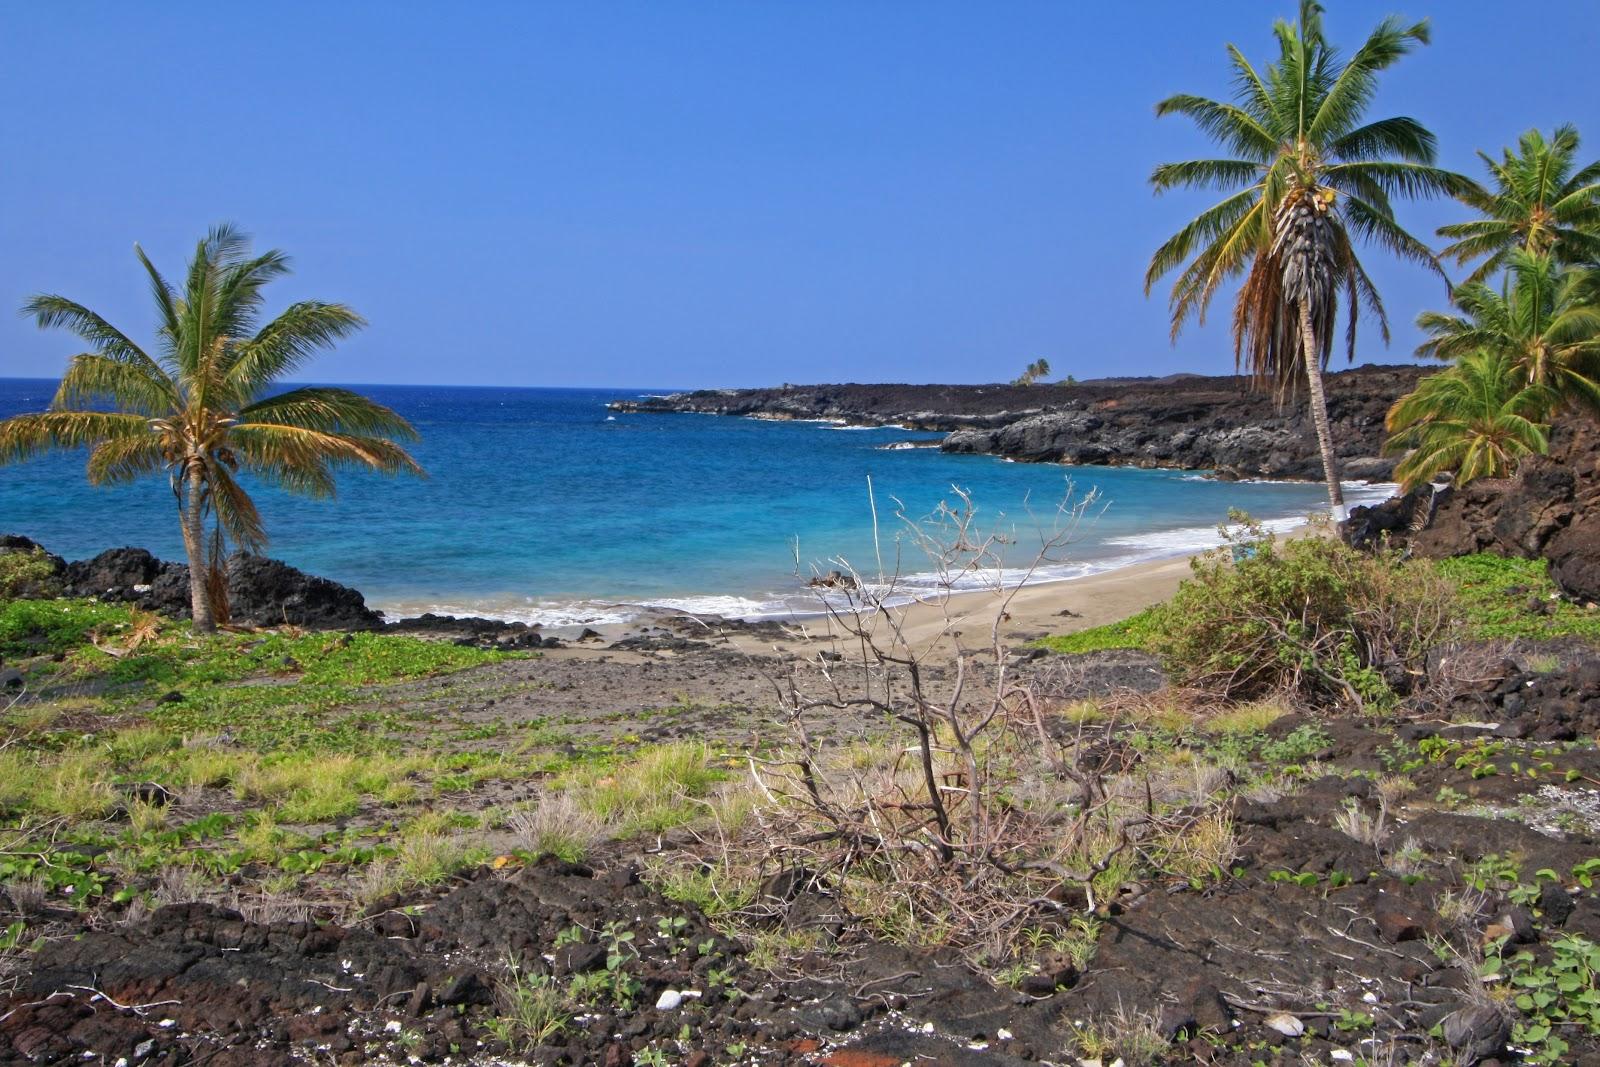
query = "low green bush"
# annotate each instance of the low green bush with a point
(1310, 615)
(27, 574)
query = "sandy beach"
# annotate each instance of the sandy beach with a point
(969, 616)
(1029, 612)
(1032, 611)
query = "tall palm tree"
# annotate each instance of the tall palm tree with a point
(1545, 321)
(1541, 202)
(1307, 172)
(197, 408)
(1476, 419)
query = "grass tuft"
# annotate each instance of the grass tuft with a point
(653, 792)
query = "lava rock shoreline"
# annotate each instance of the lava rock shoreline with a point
(261, 592)
(1185, 421)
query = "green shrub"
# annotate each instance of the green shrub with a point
(27, 574)
(1311, 615)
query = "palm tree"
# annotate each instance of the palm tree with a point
(1039, 368)
(1545, 321)
(1476, 419)
(1305, 174)
(197, 408)
(1541, 203)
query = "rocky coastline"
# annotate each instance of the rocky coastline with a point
(261, 592)
(1185, 421)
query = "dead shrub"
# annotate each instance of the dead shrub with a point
(989, 812)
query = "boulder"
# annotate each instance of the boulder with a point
(1574, 555)
(117, 574)
(1391, 521)
(477, 632)
(268, 592)
(261, 592)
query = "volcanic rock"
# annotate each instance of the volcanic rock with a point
(1188, 421)
(1549, 509)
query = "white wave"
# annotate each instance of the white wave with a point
(1198, 538)
(552, 614)
(1192, 538)
(885, 426)
(761, 416)
(897, 592)
(732, 607)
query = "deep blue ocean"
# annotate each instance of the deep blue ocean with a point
(540, 505)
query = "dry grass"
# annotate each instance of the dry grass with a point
(557, 824)
(1247, 718)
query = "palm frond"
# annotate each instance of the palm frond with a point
(166, 299)
(1230, 126)
(1379, 227)
(1193, 288)
(1207, 226)
(234, 509)
(1339, 110)
(135, 388)
(1478, 418)
(118, 460)
(286, 343)
(263, 445)
(1204, 174)
(1400, 178)
(50, 312)
(330, 410)
(26, 436)
(239, 295)
(1400, 136)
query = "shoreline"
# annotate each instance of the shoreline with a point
(1036, 609)
(915, 591)
(1030, 611)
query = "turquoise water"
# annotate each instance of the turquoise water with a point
(542, 506)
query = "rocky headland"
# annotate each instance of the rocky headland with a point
(1186, 421)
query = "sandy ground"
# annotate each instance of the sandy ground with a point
(969, 617)
(726, 684)
(1031, 611)
(1036, 610)
(974, 619)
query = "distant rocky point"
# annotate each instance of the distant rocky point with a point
(1187, 421)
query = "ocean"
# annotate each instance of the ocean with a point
(543, 506)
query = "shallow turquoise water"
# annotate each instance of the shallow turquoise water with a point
(539, 505)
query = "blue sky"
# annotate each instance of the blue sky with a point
(688, 194)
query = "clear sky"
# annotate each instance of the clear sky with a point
(689, 194)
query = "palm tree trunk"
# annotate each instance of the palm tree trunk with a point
(194, 545)
(1319, 412)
